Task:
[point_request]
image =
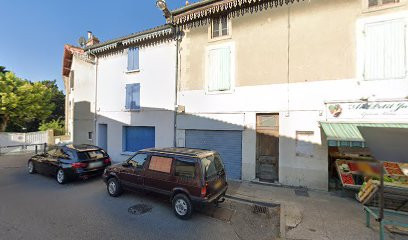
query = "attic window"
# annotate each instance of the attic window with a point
(220, 27)
(379, 3)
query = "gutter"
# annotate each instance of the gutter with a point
(176, 87)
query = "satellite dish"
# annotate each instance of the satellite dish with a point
(82, 41)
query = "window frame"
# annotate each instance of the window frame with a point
(129, 50)
(380, 5)
(231, 45)
(219, 38)
(128, 108)
(361, 42)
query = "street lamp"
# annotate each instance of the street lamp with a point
(161, 4)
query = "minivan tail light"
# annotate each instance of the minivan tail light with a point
(79, 165)
(204, 190)
(107, 161)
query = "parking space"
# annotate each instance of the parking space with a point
(36, 207)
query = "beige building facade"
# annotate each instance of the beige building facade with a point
(256, 78)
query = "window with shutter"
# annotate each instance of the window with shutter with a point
(385, 50)
(132, 96)
(133, 59)
(219, 69)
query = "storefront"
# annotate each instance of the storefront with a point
(350, 161)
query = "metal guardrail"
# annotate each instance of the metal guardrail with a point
(23, 148)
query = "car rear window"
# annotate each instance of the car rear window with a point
(212, 165)
(94, 154)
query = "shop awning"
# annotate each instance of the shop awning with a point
(350, 132)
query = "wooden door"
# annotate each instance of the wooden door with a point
(267, 147)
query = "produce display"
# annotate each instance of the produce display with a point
(354, 173)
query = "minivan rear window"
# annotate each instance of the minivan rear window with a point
(94, 154)
(212, 165)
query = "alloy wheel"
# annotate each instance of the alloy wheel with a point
(112, 188)
(181, 207)
(60, 176)
(30, 167)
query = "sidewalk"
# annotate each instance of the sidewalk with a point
(320, 215)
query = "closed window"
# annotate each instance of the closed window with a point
(132, 96)
(219, 69)
(138, 160)
(133, 59)
(184, 169)
(385, 50)
(160, 164)
(219, 27)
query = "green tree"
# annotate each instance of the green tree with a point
(56, 124)
(58, 98)
(3, 69)
(22, 101)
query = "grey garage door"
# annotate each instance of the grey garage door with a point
(227, 143)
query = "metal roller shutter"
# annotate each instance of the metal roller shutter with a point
(227, 143)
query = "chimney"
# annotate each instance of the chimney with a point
(92, 40)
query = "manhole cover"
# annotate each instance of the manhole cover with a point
(140, 209)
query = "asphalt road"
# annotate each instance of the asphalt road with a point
(36, 207)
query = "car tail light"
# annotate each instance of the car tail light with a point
(107, 161)
(79, 165)
(204, 190)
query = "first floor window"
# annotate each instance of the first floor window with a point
(385, 50)
(132, 96)
(219, 69)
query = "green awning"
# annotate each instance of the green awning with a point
(350, 132)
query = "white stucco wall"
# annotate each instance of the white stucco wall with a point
(301, 107)
(82, 98)
(157, 95)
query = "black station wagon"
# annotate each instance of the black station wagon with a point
(70, 162)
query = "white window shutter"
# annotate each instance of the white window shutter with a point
(385, 52)
(395, 64)
(219, 71)
(374, 51)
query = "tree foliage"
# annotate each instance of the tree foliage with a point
(3, 69)
(56, 124)
(22, 102)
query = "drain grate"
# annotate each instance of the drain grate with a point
(140, 209)
(301, 192)
(260, 209)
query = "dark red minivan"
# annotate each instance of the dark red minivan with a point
(188, 176)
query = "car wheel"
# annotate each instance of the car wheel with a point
(114, 188)
(182, 206)
(61, 176)
(31, 169)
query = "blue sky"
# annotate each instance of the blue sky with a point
(33, 32)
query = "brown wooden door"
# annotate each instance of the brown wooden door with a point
(267, 147)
